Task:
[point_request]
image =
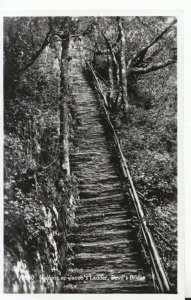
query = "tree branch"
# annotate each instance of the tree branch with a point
(155, 53)
(153, 67)
(144, 49)
(36, 55)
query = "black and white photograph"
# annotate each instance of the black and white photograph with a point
(90, 154)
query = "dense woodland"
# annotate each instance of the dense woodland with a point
(135, 61)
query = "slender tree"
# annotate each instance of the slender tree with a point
(123, 70)
(64, 95)
(116, 71)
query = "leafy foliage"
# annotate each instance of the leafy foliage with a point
(38, 212)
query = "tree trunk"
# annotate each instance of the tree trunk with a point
(118, 81)
(117, 70)
(111, 79)
(64, 126)
(123, 65)
(94, 55)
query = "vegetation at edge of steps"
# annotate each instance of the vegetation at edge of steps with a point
(39, 204)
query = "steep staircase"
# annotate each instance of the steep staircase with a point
(107, 255)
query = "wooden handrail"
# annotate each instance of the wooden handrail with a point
(157, 266)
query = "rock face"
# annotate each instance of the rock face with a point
(107, 256)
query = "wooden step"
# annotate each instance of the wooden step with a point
(97, 217)
(102, 235)
(117, 287)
